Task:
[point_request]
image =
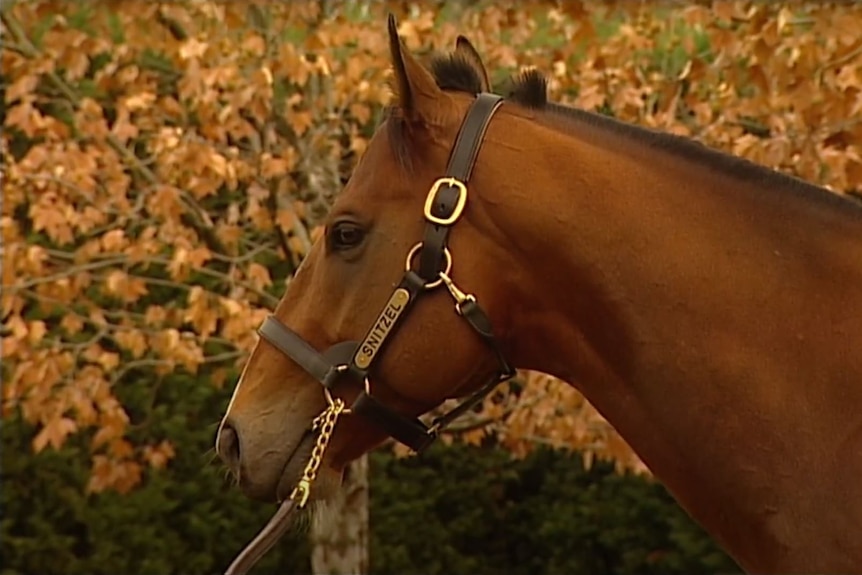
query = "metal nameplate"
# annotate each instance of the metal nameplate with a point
(384, 324)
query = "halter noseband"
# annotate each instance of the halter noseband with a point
(353, 360)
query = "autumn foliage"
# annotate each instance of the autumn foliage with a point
(167, 165)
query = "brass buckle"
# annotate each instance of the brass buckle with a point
(459, 207)
(408, 265)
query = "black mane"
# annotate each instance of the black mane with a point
(455, 73)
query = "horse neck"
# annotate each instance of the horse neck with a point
(708, 320)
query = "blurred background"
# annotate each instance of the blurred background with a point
(167, 165)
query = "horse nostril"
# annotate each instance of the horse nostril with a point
(227, 445)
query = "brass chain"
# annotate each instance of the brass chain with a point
(325, 423)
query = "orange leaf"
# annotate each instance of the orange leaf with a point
(36, 331)
(116, 282)
(300, 121)
(54, 433)
(286, 219)
(24, 117)
(22, 87)
(159, 455)
(259, 275)
(132, 341)
(114, 240)
(199, 256)
(48, 217)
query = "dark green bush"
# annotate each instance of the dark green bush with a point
(465, 510)
(452, 510)
(186, 519)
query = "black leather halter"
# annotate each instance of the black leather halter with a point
(353, 360)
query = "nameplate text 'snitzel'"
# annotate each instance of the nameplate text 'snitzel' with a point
(384, 324)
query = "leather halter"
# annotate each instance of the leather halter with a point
(353, 360)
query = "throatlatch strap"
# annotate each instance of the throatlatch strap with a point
(409, 431)
(481, 324)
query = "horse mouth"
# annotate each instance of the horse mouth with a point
(280, 523)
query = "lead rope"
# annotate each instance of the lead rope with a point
(280, 522)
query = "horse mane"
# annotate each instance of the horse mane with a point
(454, 72)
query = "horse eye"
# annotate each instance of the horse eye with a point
(345, 235)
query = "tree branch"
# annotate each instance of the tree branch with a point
(476, 422)
(118, 314)
(117, 261)
(26, 284)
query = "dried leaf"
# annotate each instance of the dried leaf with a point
(54, 433)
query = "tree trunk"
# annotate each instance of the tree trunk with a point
(339, 537)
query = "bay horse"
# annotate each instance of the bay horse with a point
(708, 307)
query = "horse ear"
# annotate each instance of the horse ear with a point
(418, 94)
(465, 49)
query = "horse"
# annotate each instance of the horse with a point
(710, 308)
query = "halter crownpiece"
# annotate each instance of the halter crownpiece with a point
(353, 360)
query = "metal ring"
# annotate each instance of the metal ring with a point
(331, 400)
(409, 264)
